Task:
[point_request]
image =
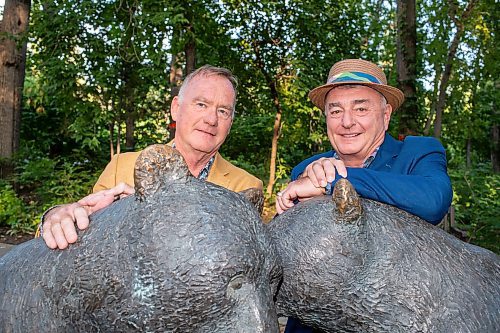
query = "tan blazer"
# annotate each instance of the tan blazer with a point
(223, 173)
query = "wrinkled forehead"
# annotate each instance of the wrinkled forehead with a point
(213, 82)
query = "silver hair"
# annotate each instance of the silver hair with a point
(209, 70)
(383, 100)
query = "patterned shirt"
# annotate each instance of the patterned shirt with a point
(366, 164)
(206, 169)
(203, 175)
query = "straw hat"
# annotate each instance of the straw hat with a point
(357, 71)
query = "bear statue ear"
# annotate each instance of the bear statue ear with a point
(155, 166)
(346, 201)
(255, 196)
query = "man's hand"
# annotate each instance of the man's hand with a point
(322, 171)
(302, 189)
(59, 224)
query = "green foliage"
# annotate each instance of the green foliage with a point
(42, 183)
(48, 180)
(477, 208)
(14, 213)
(95, 66)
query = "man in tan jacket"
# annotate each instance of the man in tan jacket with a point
(203, 111)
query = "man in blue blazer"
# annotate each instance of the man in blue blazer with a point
(410, 175)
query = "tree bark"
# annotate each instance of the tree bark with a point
(129, 91)
(13, 29)
(468, 153)
(271, 83)
(175, 79)
(406, 60)
(130, 127)
(274, 143)
(495, 149)
(190, 46)
(495, 140)
(443, 85)
(190, 51)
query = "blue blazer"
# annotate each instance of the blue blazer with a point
(410, 175)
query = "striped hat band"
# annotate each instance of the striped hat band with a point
(353, 77)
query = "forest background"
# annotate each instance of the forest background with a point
(82, 80)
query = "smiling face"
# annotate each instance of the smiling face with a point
(357, 118)
(203, 114)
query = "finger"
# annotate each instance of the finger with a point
(329, 168)
(82, 217)
(124, 189)
(92, 199)
(319, 177)
(120, 190)
(279, 210)
(97, 201)
(283, 204)
(309, 173)
(48, 237)
(58, 235)
(69, 229)
(287, 198)
(340, 167)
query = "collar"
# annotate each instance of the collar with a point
(389, 149)
(206, 169)
(367, 162)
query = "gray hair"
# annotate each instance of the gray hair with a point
(209, 70)
(383, 100)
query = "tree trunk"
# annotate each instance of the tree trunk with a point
(495, 149)
(272, 84)
(111, 139)
(130, 127)
(435, 91)
(190, 46)
(129, 91)
(175, 79)
(495, 141)
(459, 22)
(406, 60)
(13, 41)
(468, 152)
(190, 51)
(274, 143)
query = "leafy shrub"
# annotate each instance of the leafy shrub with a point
(477, 208)
(41, 183)
(15, 214)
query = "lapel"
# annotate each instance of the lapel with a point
(386, 154)
(219, 171)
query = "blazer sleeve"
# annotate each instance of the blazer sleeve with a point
(299, 168)
(119, 169)
(415, 181)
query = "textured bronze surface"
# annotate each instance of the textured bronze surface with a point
(389, 271)
(190, 256)
(347, 201)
